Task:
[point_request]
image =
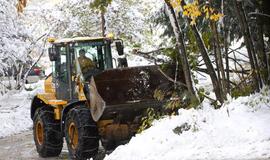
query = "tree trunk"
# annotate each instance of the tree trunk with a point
(226, 47)
(181, 48)
(207, 61)
(260, 48)
(226, 41)
(209, 66)
(248, 41)
(219, 59)
(103, 28)
(216, 60)
(266, 21)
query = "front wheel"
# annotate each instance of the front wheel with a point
(47, 133)
(81, 133)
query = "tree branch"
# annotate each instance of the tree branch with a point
(170, 79)
(204, 70)
(259, 14)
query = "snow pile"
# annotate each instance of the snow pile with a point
(239, 130)
(15, 110)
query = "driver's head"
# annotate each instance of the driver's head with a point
(82, 53)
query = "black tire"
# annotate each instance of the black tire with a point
(81, 133)
(47, 133)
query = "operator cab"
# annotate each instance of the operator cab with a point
(65, 55)
(99, 52)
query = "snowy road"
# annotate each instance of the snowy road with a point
(22, 147)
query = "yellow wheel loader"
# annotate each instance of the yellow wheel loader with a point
(104, 104)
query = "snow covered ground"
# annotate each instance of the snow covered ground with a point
(239, 130)
(15, 110)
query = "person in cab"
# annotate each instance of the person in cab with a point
(86, 63)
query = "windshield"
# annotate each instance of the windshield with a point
(93, 55)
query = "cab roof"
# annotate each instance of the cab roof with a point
(77, 39)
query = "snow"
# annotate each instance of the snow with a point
(134, 60)
(239, 130)
(15, 110)
(12, 38)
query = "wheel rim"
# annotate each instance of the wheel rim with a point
(39, 132)
(73, 135)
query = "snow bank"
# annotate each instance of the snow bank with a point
(239, 130)
(15, 110)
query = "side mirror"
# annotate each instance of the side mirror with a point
(119, 48)
(52, 54)
(122, 62)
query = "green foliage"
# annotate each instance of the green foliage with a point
(159, 95)
(100, 5)
(174, 104)
(186, 127)
(206, 36)
(192, 46)
(189, 100)
(244, 90)
(147, 120)
(180, 129)
(201, 93)
(193, 60)
(137, 45)
(171, 52)
(178, 99)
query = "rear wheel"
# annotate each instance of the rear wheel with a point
(47, 133)
(81, 133)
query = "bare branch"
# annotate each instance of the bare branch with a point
(236, 59)
(244, 80)
(150, 52)
(204, 70)
(259, 14)
(170, 79)
(236, 50)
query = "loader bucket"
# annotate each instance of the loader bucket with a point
(125, 85)
(127, 91)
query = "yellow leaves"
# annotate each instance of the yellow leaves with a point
(175, 3)
(207, 10)
(211, 13)
(192, 11)
(216, 16)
